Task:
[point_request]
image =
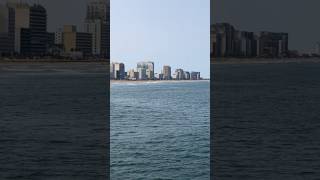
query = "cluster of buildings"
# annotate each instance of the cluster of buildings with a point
(23, 32)
(145, 71)
(226, 41)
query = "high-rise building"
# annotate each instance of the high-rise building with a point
(226, 41)
(97, 23)
(179, 74)
(119, 71)
(4, 19)
(30, 29)
(273, 44)
(132, 74)
(142, 73)
(167, 73)
(187, 75)
(150, 74)
(7, 21)
(149, 68)
(245, 44)
(22, 21)
(37, 31)
(195, 76)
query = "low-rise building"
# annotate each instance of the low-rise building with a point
(74, 41)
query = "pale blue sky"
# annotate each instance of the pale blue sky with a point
(173, 32)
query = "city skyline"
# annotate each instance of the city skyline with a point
(56, 19)
(158, 65)
(284, 17)
(166, 32)
(228, 41)
(24, 25)
(145, 70)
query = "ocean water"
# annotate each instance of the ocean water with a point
(160, 130)
(266, 121)
(53, 121)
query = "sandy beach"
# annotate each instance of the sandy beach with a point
(154, 81)
(57, 67)
(263, 61)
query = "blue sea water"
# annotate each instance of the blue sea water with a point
(53, 121)
(160, 130)
(265, 121)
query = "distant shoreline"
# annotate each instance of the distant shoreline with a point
(54, 67)
(37, 61)
(153, 81)
(263, 61)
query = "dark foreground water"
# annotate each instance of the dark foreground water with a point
(160, 131)
(53, 121)
(266, 121)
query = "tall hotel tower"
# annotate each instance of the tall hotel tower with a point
(97, 23)
(27, 28)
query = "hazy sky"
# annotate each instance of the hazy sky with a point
(300, 18)
(173, 32)
(62, 12)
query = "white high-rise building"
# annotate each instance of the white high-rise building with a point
(22, 20)
(97, 23)
(149, 68)
(179, 74)
(142, 73)
(132, 74)
(95, 28)
(118, 71)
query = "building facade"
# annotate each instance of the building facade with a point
(195, 76)
(179, 74)
(142, 73)
(119, 72)
(226, 41)
(76, 42)
(273, 44)
(7, 21)
(148, 66)
(167, 72)
(97, 23)
(187, 75)
(58, 37)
